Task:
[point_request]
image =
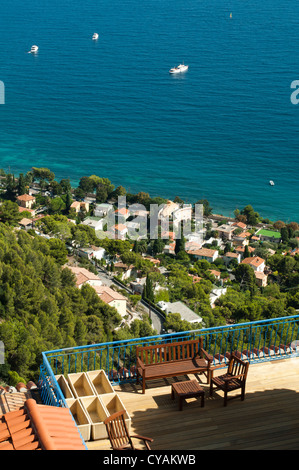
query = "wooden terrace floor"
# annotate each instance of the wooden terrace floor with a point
(267, 419)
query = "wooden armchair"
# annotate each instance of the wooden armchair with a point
(118, 433)
(235, 378)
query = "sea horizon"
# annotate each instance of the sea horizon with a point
(220, 131)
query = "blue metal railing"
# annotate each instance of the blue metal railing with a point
(258, 341)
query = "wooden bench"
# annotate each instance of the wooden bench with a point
(172, 360)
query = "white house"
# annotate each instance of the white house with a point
(125, 270)
(92, 253)
(226, 231)
(257, 263)
(112, 298)
(119, 231)
(215, 294)
(167, 209)
(242, 238)
(26, 201)
(101, 210)
(261, 278)
(205, 253)
(230, 256)
(78, 206)
(97, 223)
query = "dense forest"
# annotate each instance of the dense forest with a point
(40, 306)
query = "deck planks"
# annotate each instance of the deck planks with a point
(267, 419)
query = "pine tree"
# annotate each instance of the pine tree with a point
(148, 291)
(21, 185)
(246, 252)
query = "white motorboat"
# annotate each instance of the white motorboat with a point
(33, 49)
(179, 69)
(271, 183)
(95, 36)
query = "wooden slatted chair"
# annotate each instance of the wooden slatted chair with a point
(235, 378)
(118, 433)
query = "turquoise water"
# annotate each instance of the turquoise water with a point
(220, 131)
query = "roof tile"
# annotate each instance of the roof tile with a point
(36, 427)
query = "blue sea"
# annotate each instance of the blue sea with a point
(109, 107)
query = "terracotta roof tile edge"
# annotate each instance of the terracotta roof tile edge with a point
(38, 425)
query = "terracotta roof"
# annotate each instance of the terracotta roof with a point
(254, 261)
(195, 278)
(122, 211)
(105, 291)
(166, 234)
(191, 246)
(243, 235)
(214, 272)
(241, 249)
(240, 224)
(204, 252)
(25, 209)
(153, 260)
(26, 197)
(39, 427)
(25, 222)
(120, 227)
(83, 275)
(260, 275)
(229, 254)
(13, 401)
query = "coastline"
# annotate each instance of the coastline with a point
(216, 211)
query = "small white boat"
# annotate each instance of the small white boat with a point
(179, 69)
(33, 49)
(95, 36)
(271, 183)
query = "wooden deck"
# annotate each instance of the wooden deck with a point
(267, 419)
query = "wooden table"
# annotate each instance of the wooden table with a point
(188, 389)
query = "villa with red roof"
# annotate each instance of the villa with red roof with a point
(26, 201)
(257, 263)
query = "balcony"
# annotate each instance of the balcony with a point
(267, 419)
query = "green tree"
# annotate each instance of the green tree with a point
(207, 209)
(68, 201)
(58, 250)
(101, 194)
(246, 252)
(21, 185)
(148, 291)
(9, 213)
(86, 184)
(252, 217)
(56, 205)
(158, 246)
(284, 234)
(245, 277)
(11, 187)
(179, 244)
(43, 175)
